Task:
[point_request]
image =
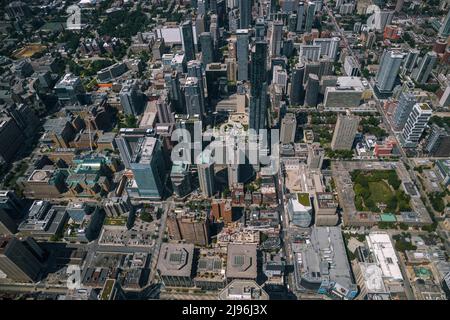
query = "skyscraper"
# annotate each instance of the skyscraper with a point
(416, 123)
(242, 54)
(18, 261)
(245, 10)
(405, 105)
(172, 84)
(425, 67)
(411, 60)
(328, 46)
(194, 97)
(206, 43)
(260, 29)
(144, 156)
(131, 99)
(344, 132)
(288, 128)
(165, 114)
(258, 90)
(195, 69)
(310, 13)
(387, 73)
(312, 90)
(315, 156)
(300, 16)
(276, 38)
(205, 166)
(438, 142)
(297, 92)
(444, 31)
(187, 38)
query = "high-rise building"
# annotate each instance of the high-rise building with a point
(258, 90)
(438, 142)
(410, 60)
(172, 84)
(69, 89)
(312, 90)
(416, 123)
(351, 67)
(425, 67)
(260, 29)
(131, 99)
(315, 156)
(328, 46)
(190, 226)
(245, 11)
(445, 98)
(19, 261)
(344, 132)
(144, 156)
(205, 166)
(195, 69)
(310, 14)
(194, 97)
(206, 43)
(288, 128)
(187, 39)
(387, 73)
(444, 31)
(165, 113)
(233, 174)
(11, 203)
(300, 16)
(405, 105)
(7, 224)
(276, 38)
(11, 138)
(242, 54)
(180, 176)
(310, 52)
(297, 92)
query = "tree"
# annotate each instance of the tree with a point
(145, 216)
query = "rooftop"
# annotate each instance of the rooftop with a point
(175, 259)
(241, 261)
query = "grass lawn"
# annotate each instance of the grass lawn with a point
(115, 221)
(303, 198)
(380, 191)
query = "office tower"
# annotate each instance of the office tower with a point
(300, 16)
(245, 11)
(206, 43)
(260, 29)
(411, 60)
(310, 13)
(292, 23)
(10, 203)
(214, 30)
(310, 67)
(280, 77)
(231, 69)
(387, 73)
(242, 54)
(416, 123)
(315, 156)
(193, 97)
(200, 25)
(445, 98)
(325, 67)
(7, 224)
(425, 68)
(344, 132)
(276, 39)
(233, 20)
(190, 226)
(69, 89)
(11, 138)
(144, 156)
(438, 142)
(172, 84)
(351, 66)
(18, 261)
(288, 128)
(165, 113)
(297, 93)
(205, 167)
(258, 90)
(312, 90)
(131, 99)
(328, 46)
(180, 176)
(405, 105)
(213, 6)
(371, 38)
(233, 174)
(216, 80)
(195, 69)
(399, 5)
(444, 31)
(187, 38)
(310, 52)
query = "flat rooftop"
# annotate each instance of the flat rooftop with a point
(176, 259)
(381, 246)
(241, 261)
